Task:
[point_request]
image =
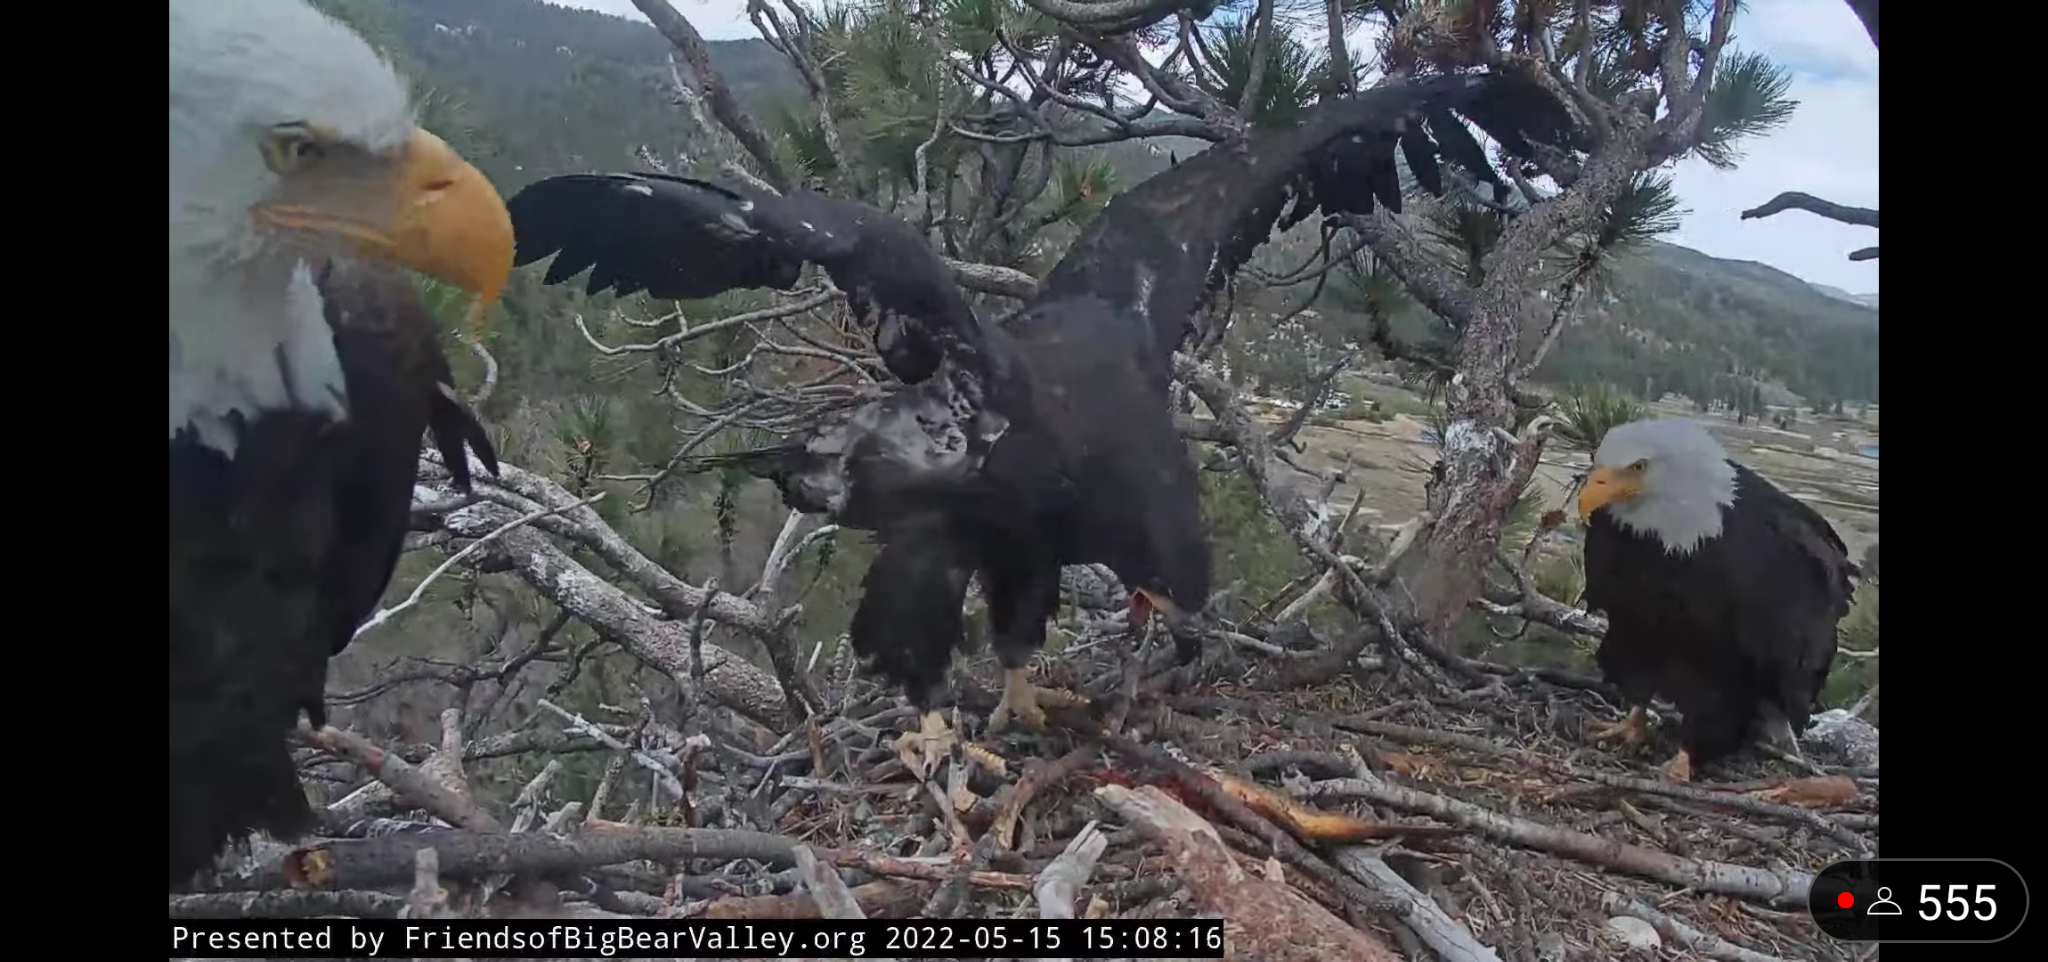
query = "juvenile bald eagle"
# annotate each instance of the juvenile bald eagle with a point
(304, 370)
(1044, 439)
(1721, 591)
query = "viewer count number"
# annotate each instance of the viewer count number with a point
(1957, 905)
(1906, 900)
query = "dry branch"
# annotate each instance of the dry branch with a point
(883, 898)
(1786, 886)
(1265, 919)
(412, 784)
(1289, 508)
(388, 860)
(663, 768)
(1450, 940)
(618, 617)
(285, 904)
(1768, 802)
(522, 490)
(1061, 881)
(1212, 793)
(1533, 605)
(679, 31)
(1682, 935)
(419, 591)
(826, 887)
(1840, 213)
(427, 900)
(1795, 200)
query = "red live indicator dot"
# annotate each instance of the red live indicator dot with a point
(1846, 900)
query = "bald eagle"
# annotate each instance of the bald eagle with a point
(1721, 591)
(304, 370)
(1043, 439)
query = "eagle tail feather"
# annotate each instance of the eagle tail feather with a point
(238, 685)
(455, 427)
(909, 619)
(246, 786)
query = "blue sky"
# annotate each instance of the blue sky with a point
(1828, 149)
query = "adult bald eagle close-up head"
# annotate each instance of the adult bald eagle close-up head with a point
(304, 368)
(1721, 591)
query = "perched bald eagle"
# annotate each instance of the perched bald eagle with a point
(1721, 591)
(1044, 439)
(304, 370)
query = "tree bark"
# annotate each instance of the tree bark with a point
(1483, 466)
(678, 31)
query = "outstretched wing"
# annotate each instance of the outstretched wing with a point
(1158, 248)
(673, 237)
(1427, 128)
(678, 238)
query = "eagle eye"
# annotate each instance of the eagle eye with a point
(1640, 465)
(289, 148)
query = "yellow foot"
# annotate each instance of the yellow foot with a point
(925, 750)
(1680, 768)
(1026, 701)
(1631, 731)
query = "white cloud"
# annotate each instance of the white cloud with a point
(1829, 148)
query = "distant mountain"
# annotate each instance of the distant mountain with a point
(564, 89)
(1756, 280)
(1683, 319)
(1867, 300)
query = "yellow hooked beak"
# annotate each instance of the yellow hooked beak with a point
(1606, 486)
(424, 208)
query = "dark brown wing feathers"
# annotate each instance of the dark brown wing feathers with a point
(1746, 621)
(277, 556)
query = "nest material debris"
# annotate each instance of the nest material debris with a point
(1351, 816)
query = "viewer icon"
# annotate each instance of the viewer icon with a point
(1884, 904)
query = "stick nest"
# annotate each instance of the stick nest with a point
(1350, 814)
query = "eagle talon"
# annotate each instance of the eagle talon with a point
(1020, 699)
(1632, 731)
(924, 751)
(1026, 701)
(1061, 698)
(1031, 715)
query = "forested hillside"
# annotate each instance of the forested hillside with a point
(564, 89)
(1670, 305)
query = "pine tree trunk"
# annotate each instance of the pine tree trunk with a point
(1483, 466)
(1472, 486)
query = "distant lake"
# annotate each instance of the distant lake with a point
(1868, 451)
